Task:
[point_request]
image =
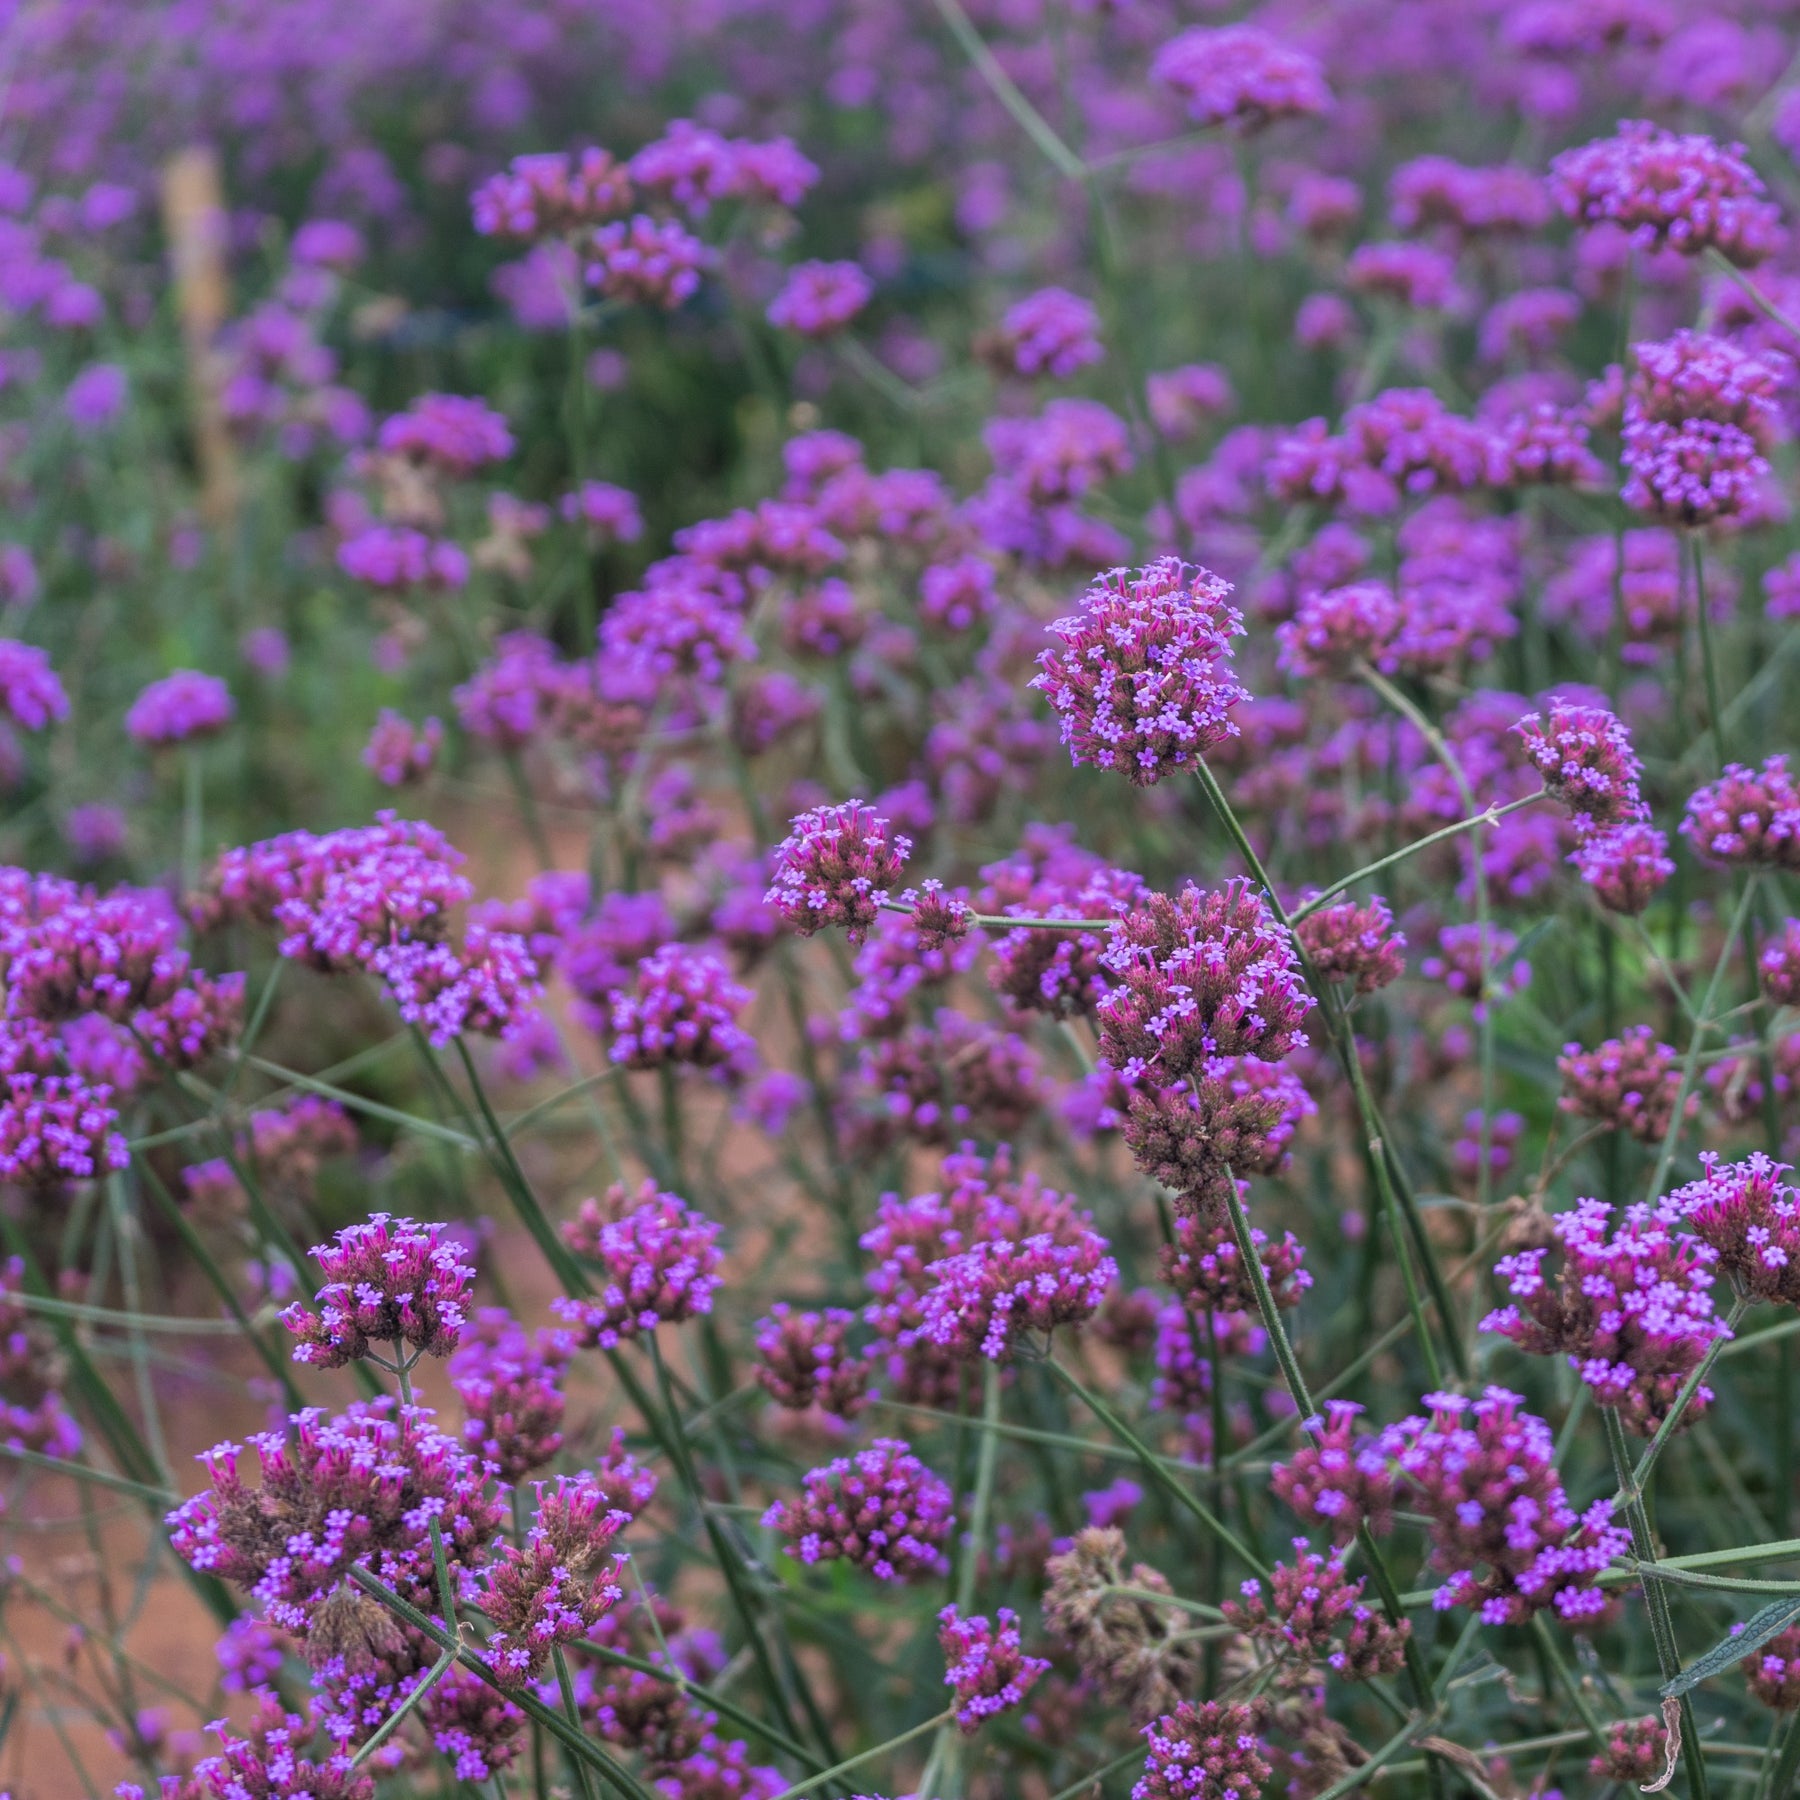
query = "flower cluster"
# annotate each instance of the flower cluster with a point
(1749, 1217)
(660, 1259)
(834, 867)
(1502, 1527)
(1204, 1750)
(988, 1667)
(1629, 1082)
(389, 1281)
(1632, 1311)
(881, 1510)
(1141, 678)
(803, 1359)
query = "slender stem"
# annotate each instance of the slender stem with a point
(1781, 1770)
(1365, 1772)
(1491, 815)
(863, 1756)
(985, 1466)
(193, 815)
(1553, 1654)
(1007, 91)
(396, 1718)
(1656, 1602)
(1152, 1465)
(565, 1686)
(1702, 1025)
(1396, 1195)
(1708, 658)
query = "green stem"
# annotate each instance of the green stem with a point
(863, 1756)
(1640, 1476)
(1656, 1602)
(397, 1717)
(566, 1688)
(1152, 1466)
(1708, 658)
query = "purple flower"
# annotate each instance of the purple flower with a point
(96, 396)
(1051, 332)
(1748, 818)
(1203, 975)
(986, 1665)
(250, 1656)
(455, 434)
(1438, 191)
(181, 706)
(270, 1764)
(560, 1584)
(1333, 631)
(1205, 1267)
(1669, 191)
(30, 694)
(834, 867)
(1241, 77)
(94, 832)
(390, 1281)
(1585, 757)
(512, 697)
(31, 1409)
(1309, 1602)
(819, 299)
(647, 262)
(881, 1510)
(1633, 1312)
(1337, 1478)
(1411, 275)
(1502, 1528)
(609, 513)
(804, 1359)
(1626, 866)
(396, 559)
(399, 752)
(1750, 1217)
(660, 1259)
(1184, 399)
(1204, 1750)
(1476, 962)
(683, 1012)
(1772, 1673)
(1636, 1751)
(549, 195)
(956, 596)
(1779, 965)
(1350, 942)
(1141, 677)
(510, 1385)
(981, 1301)
(1232, 1112)
(358, 1489)
(1052, 971)
(1629, 1082)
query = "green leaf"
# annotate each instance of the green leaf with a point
(1755, 1631)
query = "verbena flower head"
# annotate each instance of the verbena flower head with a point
(1411, 275)
(1053, 971)
(1233, 1112)
(510, 1383)
(683, 1012)
(987, 1664)
(357, 1489)
(399, 752)
(1204, 1750)
(1629, 1082)
(390, 1281)
(1632, 1311)
(1636, 1752)
(1333, 631)
(1241, 77)
(1141, 677)
(558, 1586)
(1773, 1672)
(30, 694)
(398, 559)
(58, 1128)
(1051, 332)
(31, 1409)
(804, 1359)
(1437, 191)
(1669, 191)
(1310, 1605)
(1502, 1528)
(1204, 974)
(1475, 961)
(1778, 967)
(982, 1301)
(1748, 818)
(1347, 941)
(179, 708)
(1749, 1216)
(455, 434)
(881, 1510)
(1625, 865)
(1338, 1478)
(819, 299)
(647, 262)
(660, 1259)
(835, 866)
(271, 1763)
(1206, 1268)
(549, 194)
(1585, 756)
